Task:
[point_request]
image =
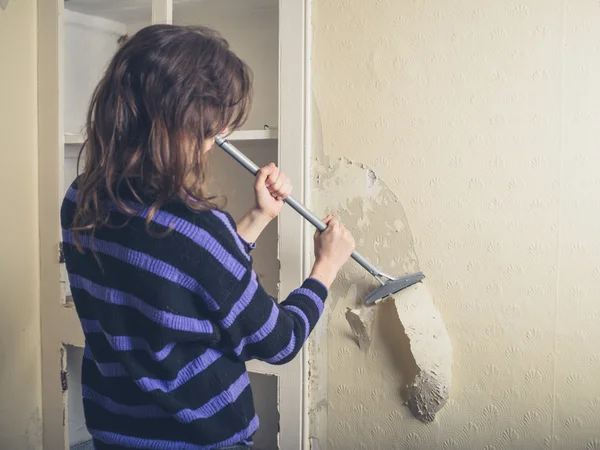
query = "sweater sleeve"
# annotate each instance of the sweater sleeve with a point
(257, 327)
(253, 325)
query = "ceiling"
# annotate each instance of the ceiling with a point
(136, 11)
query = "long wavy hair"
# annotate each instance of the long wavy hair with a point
(167, 90)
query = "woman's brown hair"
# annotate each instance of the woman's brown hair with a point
(166, 91)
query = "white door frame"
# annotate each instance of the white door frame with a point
(56, 320)
(293, 78)
(60, 326)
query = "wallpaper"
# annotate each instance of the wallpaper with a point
(480, 119)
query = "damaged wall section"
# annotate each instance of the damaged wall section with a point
(431, 349)
(429, 343)
(401, 343)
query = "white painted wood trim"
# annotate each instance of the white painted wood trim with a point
(317, 389)
(98, 23)
(307, 248)
(293, 408)
(292, 376)
(162, 11)
(50, 168)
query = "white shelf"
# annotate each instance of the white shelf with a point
(73, 139)
(242, 135)
(253, 135)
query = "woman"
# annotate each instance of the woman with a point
(161, 278)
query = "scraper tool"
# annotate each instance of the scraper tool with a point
(389, 285)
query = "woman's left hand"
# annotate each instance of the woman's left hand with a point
(271, 188)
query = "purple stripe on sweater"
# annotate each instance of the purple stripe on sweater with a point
(310, 294)
(283, 353)
(126, 343)
(209, 409)
(203, 239)
(223, 218)
(163, 318)
(137, 411)
(217, 403)
(188, 372)
(262, 333)
(196, 234)
(147, 384)
(145, 262)
(112, 370)
(242, 303)
(154, 444)
(300, 314)
(71, 194)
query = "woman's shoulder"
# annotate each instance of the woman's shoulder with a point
(212, 220)
(214, 225)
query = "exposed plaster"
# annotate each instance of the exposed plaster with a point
(374, 214)
(361, 324)
(318, 343)
(431, 349)
(428, 388)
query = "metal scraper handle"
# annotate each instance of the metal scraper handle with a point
(295, 204)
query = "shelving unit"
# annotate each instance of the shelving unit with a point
(76, 39)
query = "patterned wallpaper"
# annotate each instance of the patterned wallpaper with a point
(481, 119)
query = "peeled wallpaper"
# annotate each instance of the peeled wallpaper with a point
(462, 138)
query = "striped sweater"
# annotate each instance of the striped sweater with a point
(169, 322)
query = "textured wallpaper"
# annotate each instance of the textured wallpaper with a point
(481, 121)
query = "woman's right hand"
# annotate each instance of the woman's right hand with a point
(333, 248)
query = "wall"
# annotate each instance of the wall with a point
(89, 44)
(20, 359)
(479, 120)
(253, 35)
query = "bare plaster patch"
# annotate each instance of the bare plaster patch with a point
(431, 348)
(361, 323)
(362, 201)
